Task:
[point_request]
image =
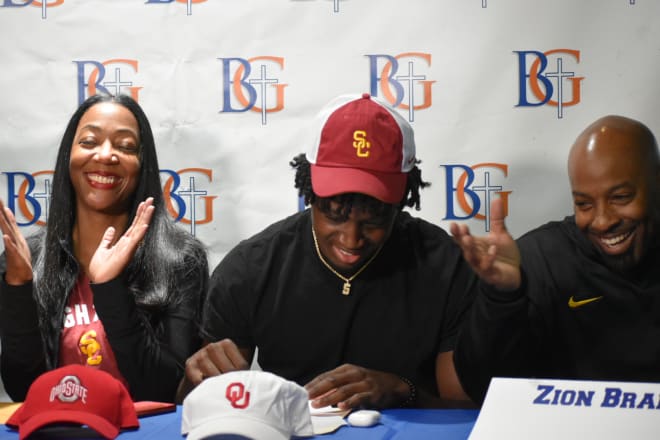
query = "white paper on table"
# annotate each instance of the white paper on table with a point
(327, 419)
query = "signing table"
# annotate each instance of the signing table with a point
(396, 424)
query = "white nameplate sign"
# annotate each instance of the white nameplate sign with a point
(517, 409)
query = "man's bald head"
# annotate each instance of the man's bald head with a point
(618, 137)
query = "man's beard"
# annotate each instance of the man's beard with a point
(627, 262)
(623, 263)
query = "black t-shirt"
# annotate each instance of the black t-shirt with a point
(273, 292)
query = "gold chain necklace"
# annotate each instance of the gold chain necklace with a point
(346, 290)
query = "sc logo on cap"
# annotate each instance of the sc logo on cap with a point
(360, 143)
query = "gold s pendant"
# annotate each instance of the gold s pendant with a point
(347, 288)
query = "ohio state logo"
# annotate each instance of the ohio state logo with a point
(69, 390)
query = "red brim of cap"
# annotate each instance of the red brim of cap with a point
(47, 418)
(331, 181)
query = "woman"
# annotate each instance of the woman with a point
(111, 282)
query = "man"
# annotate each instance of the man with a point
(353, 298)
(578, 298)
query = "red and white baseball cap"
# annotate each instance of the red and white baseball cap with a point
(79, 395)
(250, 403)
(362, 145)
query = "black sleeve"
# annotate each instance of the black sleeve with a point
(229, 305)
(152, 362)
(23, 358)
(461, 288)
(495, 339)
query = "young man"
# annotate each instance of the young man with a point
(578, 298)
(353, 298)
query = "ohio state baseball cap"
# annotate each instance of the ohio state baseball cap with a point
(75, 394)
(361, 145)
(249, 403)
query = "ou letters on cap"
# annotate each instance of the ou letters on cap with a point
(76, 394)
(250, 403)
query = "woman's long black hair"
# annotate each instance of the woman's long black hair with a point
(160, 257)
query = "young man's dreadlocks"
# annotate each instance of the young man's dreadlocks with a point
(303, 181)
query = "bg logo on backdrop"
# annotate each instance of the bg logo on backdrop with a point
(543, 79)
(398, 79)
(43, 5)
(29, 195)
(470, 189)
(188, 3)
(189, 204)
(335, 4)
(252, 84)
(114, 76)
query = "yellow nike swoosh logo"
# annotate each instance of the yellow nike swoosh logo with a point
(575, 304)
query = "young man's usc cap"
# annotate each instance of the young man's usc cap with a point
(362, 146)
(250, 403)
(76, 394)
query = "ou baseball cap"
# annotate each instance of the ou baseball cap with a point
(362, 145)
(78, 395)
(249, 403)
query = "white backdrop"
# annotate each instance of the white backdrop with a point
(499, 90)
